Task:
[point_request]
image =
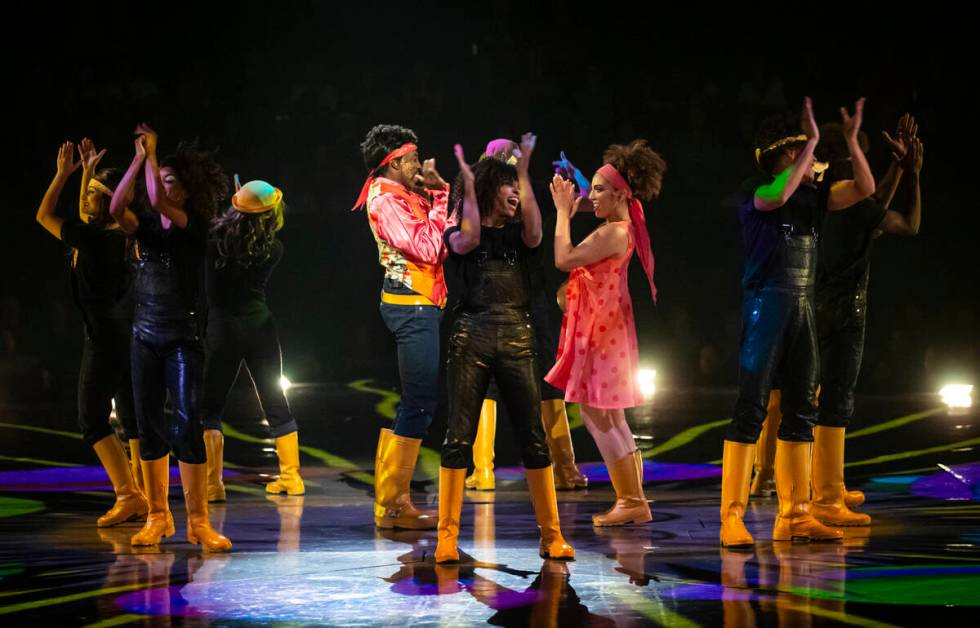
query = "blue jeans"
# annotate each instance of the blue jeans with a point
(416, 331)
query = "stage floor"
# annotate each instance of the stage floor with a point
(318, 560)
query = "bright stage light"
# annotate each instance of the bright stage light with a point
(284, 383)
(957, 396)
(647, 378)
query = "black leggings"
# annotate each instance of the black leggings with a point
(252, 340)
(779, 337)
(167, 357)
(840, 326)
(498, 343)
(104, 376)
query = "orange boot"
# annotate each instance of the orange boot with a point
(736, 467)
(159, 522)
(395, 466)
(554, 419)
(541, 486)
(829, 495)
(794, 520)
(763, 484)
(631, 505)
(450, 509)
(130, 502)
(482, 477)
(134, 464)
(214, 444)
(289, 482)
(194, 478)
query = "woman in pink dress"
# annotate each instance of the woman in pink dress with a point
(598, 359)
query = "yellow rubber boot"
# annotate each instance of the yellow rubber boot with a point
(763, 482)
(794, 520)
(482, 477)
(541, 486)
(395, 466)
(554, 419)
(631, 505)
(194, 478)
(159, 522)
(289, 482)
(134, 464)
(854, 498)
(214, 444)
(130, 502)
(829, 495)
(450, 509)
(736, 466)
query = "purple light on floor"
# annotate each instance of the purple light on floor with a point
(652, 472)
(63, 479)
(944, 485)
(711, 592)
(159, 601)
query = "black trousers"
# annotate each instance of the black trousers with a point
(498, 343)
(250, 340)
(779, 339)
(167, 358)
(840, 327)
(104, 376)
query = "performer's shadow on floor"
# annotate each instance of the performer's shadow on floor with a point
(548, 600)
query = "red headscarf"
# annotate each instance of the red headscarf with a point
(401, 151)
(643, 251)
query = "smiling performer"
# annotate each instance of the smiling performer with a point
(598, 357)
(408, 228)
(493, 336)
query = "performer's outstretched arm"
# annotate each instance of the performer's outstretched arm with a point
(154, 184)
(907, 223)
(530, 212)
(774, 195)
(467, 237)
(119, 205)
(844, 194)
(66, 166)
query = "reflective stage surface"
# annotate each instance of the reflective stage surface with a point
(318, 560)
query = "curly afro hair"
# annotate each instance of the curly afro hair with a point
(489, 176)
(773, 129)
(642, 167)
(383, 139)
(202, 176)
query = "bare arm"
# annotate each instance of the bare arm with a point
(530, 212)
(844, 194)
(66, 167)
(154, 184)
(908, 223)
(468, 236)
(119, 205)
(899, 147)
(606, 241)
(90, 161)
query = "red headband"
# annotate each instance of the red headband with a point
(610, 174)
(401, 151)
(638, 218)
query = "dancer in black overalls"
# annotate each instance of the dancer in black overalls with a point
(167, 355)
(781, 216)
(493, 335)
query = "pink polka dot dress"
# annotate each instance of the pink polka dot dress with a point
(598, 358)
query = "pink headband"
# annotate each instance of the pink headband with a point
(401, 151)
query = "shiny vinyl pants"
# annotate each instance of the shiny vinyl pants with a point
(779, 340)
(500, 343)
(840, 329)
(167, 358)
(104, 376)
(248, 340)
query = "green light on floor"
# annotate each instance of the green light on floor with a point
(15, 506)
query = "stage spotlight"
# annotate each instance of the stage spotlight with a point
(647, 379)
(284, 383)
(957, 396)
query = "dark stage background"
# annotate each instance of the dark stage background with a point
(287, 91)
